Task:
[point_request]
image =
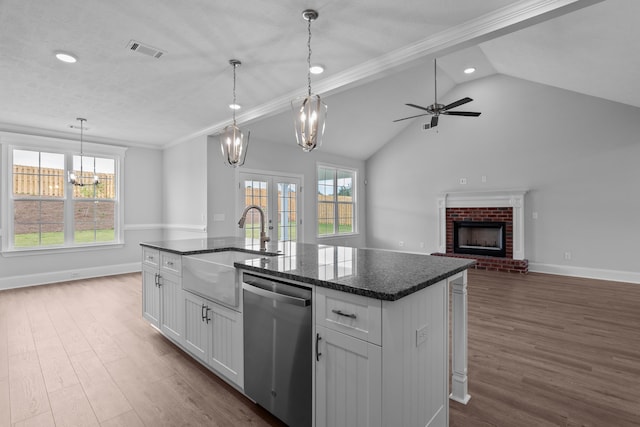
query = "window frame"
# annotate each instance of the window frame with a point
(68, 148)
(354, 204)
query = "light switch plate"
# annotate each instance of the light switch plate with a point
(422, 334)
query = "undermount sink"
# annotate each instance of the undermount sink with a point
(213, 276)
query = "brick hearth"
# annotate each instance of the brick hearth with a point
(485, 214)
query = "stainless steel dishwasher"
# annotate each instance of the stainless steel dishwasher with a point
(278, 347)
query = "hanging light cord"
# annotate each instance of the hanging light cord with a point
(309, 55)
(81, 138)
(234, 93)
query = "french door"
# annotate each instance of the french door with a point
(279, 197)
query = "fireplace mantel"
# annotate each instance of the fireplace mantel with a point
(483, 199)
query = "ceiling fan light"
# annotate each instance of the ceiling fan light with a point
(469, 70)
(309, 119)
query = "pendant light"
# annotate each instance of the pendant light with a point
(78, 180)
(232, 141)
(309, 112)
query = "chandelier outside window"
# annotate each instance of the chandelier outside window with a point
(232, 141)
(79, 180)
(309, 112)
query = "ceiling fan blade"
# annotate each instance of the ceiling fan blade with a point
(411, 117)
(417, 106)
(457, 103)
(434, 121)
(461, 113)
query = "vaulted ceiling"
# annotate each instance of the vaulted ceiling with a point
(377, 55)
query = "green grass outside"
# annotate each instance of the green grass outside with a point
(28, 240)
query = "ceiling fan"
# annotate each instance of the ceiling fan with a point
(436, 109)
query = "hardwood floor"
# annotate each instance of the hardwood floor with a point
(79, 354)
(543, 350)
(551, 351)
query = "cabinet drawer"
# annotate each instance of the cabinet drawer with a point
(171, 263)
(354, 315)
(150, 257)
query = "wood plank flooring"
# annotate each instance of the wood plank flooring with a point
(543, 351)
(79, 354)
(550, 350)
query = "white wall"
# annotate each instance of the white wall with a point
(576, 154)
(184, 189)
(276, 157)
(142, 217)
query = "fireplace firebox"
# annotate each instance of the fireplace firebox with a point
(480, 238)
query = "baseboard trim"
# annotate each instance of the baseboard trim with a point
(590, 273)
(67, 275)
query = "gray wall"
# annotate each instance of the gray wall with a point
(576, 154)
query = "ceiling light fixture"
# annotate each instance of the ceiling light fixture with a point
(469, 70)
(235, 106)
(232, 141)
(316, 69)
(309, 112)
(66, 57)
(78, 180)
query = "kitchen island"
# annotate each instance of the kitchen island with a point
(380, 324)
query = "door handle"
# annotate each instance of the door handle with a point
(318, 354)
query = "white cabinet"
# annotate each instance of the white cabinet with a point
(364, 343)
(348, 380)
(348, 359)
(162, 295)
(213, 334)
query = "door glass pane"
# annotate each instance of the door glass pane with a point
(255, 193)
(287, 218)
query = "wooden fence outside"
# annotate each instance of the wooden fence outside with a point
(48, 182)
(325, 210)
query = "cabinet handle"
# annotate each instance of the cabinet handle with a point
(170, 263)
(202, 313)
(149, 257)
(342, 313)
(318, 354)
(207, 314)
(158, 280)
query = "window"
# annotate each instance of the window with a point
(336, 201)
(44, 211)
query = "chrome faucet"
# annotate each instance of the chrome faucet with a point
(263, 235)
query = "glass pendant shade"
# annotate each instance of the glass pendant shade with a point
(309, 114)
(234, 145)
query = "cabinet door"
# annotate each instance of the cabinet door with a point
(196, 336)
(150, 295)
(226, 349)
(348, 381)
(172, 314)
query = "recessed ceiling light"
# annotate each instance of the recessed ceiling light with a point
(316, 69)
(469, 70)
(235, 106)
(66, 57)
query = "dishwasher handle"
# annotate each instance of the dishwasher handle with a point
(287, 299)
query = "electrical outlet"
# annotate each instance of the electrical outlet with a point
(484, 178)
(401, 243)
(421, 245)
(74, 274)
(534, 215)
(567, 255)
(422, 334)
(463, 181)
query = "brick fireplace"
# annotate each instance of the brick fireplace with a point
(498, 216)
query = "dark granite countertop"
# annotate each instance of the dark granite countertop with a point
(380, 274)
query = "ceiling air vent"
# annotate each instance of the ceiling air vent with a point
(145, 49)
